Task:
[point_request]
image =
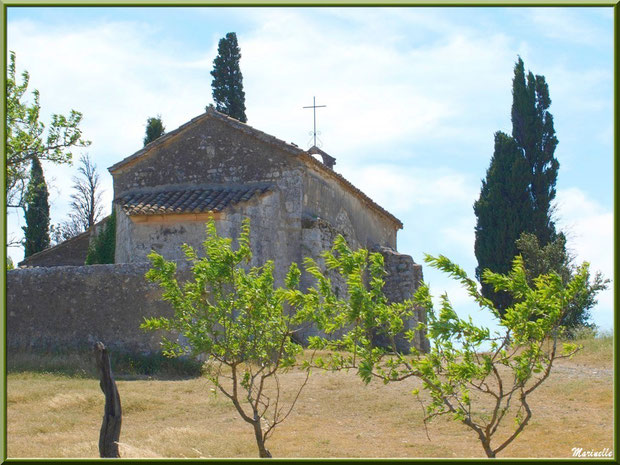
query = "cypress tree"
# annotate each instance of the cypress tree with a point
(519, 188)
(37, 212)
(532, 129)
(227, 81)
(502, 211)
(154, 129)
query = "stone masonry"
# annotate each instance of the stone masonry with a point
(212, 166)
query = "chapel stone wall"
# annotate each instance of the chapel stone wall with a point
(326, 198)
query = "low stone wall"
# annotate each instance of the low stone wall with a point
(70, 307)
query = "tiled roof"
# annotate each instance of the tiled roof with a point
(187, 200)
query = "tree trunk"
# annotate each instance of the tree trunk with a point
(260, 440)
(111, 426)
(488, 450)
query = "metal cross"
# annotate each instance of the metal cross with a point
(314, 107)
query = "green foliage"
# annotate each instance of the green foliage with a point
(26, 138)
(9, 264)
(227, 81)
(156, 364)
(233, 315)
(103, 246)
(520, 183)
(503, 212)
(37, 212)
(154, 129)
(553, 257)
(473, 376)
(365, 313)
(532, 129)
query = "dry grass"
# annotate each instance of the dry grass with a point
(52, 415)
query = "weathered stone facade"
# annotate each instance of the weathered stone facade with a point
(214, 151)
(402, 271)
(215, 165)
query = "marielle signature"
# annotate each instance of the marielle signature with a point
(581, 452)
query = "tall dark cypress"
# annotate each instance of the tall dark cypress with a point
(37, 212)
(502, 211)
(532, 129)
(519, 188)
(227, 81)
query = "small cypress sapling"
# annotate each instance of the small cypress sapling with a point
(103, 246)
(154, 129)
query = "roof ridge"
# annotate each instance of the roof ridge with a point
(267, 138)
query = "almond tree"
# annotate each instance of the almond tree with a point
(236, 318)
(477, 378)
(28, 139)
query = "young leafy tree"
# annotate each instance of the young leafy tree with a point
(27, 138)
(235, 317)
(37, 212)
(479, 379)
(227, 81)
(554, 258)
(154, 129)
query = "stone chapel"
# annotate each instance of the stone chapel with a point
(216, 165)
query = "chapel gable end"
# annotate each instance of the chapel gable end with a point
(206, 151)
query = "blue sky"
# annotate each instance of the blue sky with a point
(414, 96)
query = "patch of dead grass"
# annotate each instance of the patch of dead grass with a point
(336, 416)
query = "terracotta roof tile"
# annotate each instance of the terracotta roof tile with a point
(178, 200)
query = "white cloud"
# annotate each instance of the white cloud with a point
(567, 25)
(590, 236)
(589, 228)
(406, 189)
(378, 87)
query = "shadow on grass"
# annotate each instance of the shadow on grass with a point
(125, 365)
